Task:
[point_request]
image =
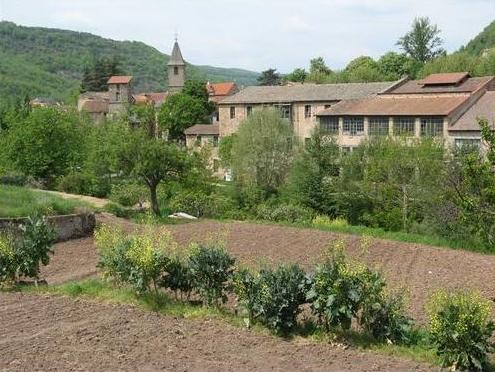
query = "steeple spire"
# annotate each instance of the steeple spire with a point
(176, 69)
(176, 56)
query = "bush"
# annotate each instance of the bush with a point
(76, 183)
(13, 179)
(178, 277)
(140, 259)
(284, 213)
(8, 259)
(273, 296)
(325, 221)
(212, 269)
(129, 195)
(340, 289)
(461, 330)
(23, 252)
(385, 319)
(117, 210)
(199, 204)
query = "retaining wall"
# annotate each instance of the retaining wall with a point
(71, 226)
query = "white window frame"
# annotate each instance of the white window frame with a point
(353, 125)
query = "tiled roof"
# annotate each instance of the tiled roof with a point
(94, 95)
(379, 105)
(119, 80)
(483, 108)
(156, 97)
(95, 106)
(416, 86)
(221, 89)
(445, 78)
(176, 56)
(305, 93)
(212, 129)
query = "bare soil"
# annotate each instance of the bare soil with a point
(416, 269)
(52, 333)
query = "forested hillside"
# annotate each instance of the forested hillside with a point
(484, 40)
(49, 62)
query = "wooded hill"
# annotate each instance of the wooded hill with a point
(49, 62)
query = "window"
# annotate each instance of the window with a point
(307, 111)
(198, 140)
(249, 110)
(378, 126)
(176, 70)
(327, 106)
(329, 125)
(404, 126)
(432, 127)
(232, 112)
(353, 125)
(215, 141)
(467, 144)
(216, 165)
(307, 141)
(117, 96)
(284, 111)
(345, 150)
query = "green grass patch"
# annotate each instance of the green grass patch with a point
(166, 305)
(18, 201)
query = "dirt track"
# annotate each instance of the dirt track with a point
(416, 268)
(43, 333)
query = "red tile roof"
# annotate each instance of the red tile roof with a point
(221, 89)
(445, 78)
(212, 129)
(119, 80)
(379, 105)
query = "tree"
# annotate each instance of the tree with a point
(423, 42)
(394, 65)
(318, 66)
(263, 150)
(153, 160)
(298, 75)
(179, 112)
(269, 77)
(311, 181)
(47, 143)
(95, 77)
(225, 149)
(472, 188)
(363, 69)
(196, 88)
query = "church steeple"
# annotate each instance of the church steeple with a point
(176, 69)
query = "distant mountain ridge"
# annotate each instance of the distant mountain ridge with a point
(49, 62)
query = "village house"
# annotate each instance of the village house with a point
(443, 105)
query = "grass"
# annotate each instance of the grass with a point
(165, 305)
(18, 201)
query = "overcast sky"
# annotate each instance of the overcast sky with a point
(257, 34)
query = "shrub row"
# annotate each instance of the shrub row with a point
(339, 292)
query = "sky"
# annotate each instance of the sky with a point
(258, 34)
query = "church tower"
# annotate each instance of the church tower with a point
(176, 70)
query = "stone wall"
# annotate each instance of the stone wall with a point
(66, 227)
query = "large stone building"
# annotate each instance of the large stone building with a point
(441, 105)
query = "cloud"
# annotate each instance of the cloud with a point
(295, 23)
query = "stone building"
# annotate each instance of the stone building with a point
(119, 94)
(201, 135)
(441, 105)
(299, 104)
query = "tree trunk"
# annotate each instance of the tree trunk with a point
(404, 208)
(154, 200)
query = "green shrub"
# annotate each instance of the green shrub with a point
(8, 258)
(325, 221)
(37, 240)
(200, 204)
(460, 329)
(385, 319)
(118, 210)
(273, 296)
(13, 179)
(340, 289)
(284, 213)
(76, 183)
(129, 195)
(23, 252)
(212, 269)
(177, 277)
(139, 260)
(247, 287)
